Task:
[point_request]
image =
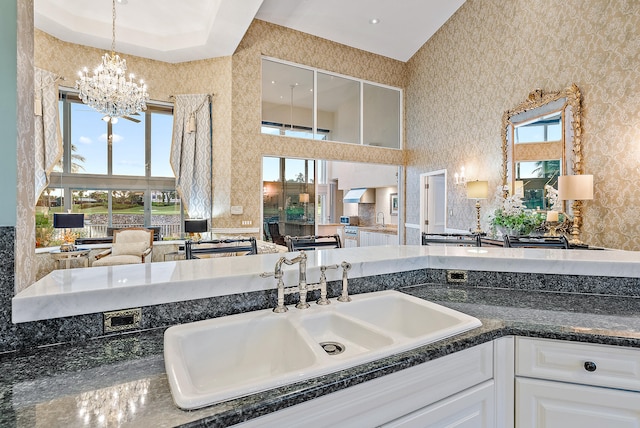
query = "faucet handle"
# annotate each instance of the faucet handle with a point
(335, 266)
(266, 274)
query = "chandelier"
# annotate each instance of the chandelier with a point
(108, 91)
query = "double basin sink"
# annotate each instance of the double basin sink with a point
(233, 356)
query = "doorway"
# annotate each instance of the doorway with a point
(433, 201)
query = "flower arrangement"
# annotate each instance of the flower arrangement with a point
(511, 216)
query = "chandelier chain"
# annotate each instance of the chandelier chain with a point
(113, 28)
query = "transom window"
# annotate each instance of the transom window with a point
(303, 102)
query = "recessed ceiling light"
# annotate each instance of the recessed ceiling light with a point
(122, 1)
(374, 21)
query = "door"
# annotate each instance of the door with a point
(433, 202)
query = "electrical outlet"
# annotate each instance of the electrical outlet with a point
(247, 222)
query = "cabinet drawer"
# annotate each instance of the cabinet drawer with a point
(589, 364)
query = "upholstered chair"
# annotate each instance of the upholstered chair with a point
(131, 245)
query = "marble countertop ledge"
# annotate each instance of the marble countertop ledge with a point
(90, 290)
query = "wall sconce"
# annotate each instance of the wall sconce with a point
(576, 188)
(478, 190)
(459, 177)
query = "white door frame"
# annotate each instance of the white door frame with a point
(423, 187)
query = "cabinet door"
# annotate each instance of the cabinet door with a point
(548, 404)
(365, 239)
(470, 408)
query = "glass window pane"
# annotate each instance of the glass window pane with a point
(287, 97)
(88, 140)
(381, 116)
(128, 146)
(127, 208)
(339, 108)
(49, 202)
(165, 213)
(161, 132)
(94, 205)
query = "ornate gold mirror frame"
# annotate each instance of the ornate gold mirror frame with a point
(569, 102)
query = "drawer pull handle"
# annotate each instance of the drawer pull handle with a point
(590, 366)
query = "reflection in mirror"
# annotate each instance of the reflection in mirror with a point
(541, 140)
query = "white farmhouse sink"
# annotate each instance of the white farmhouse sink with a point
(215, 360)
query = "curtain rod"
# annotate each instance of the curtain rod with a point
(210, 96)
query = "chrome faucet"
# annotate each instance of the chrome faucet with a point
(302, 288)
(380, 212)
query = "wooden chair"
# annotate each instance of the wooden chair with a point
(457, 239)
(130, 246)
(220, 246)
(536, 242)
(312, 242)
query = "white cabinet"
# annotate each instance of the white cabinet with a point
(470, 408)
(438, 390)
(370, 239)
(562, 384)
(543, 403)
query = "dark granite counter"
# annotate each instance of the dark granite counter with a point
(121, 380)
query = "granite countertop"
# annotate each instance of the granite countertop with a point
(123, 378)
(389, 230)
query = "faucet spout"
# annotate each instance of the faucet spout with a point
(380, 212)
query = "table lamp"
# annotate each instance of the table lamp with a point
(477, 190)
(195, 226)
(68, 221)
(304, 199)
(576, 188)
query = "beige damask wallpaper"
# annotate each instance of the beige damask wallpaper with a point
(483, 61)
(488, 57)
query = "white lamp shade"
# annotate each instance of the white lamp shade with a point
(477, 189)
(575, 187)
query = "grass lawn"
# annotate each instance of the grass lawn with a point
(138, 209)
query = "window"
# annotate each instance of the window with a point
(116, 174)
(302, 102)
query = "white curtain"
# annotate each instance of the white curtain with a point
(48, 138)
(191, 152)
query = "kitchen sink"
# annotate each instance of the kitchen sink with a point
(228, 357)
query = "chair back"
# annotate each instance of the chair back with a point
(536, 242)
(274, 231)
(457, 239)
(220, 246)
(156, 231)
(312, 242)
(133, 235)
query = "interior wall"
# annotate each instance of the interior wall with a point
(236, 83)
(249, 145)
(487, 58)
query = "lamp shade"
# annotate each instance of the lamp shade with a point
(304, 198)
(575, 187)
(195, 225)
(477, 189)
(68, 220)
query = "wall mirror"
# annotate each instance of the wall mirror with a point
(541, 140)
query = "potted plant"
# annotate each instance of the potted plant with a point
(510, 217)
